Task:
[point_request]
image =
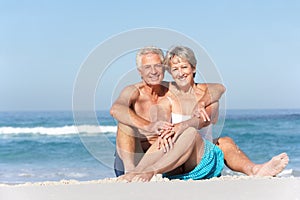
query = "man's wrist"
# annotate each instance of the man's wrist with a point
(202, 103)
(184, 125)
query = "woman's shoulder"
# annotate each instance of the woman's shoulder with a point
(172, 86)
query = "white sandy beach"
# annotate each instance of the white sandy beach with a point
(226, 187)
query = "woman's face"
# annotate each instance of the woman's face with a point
(182, 72)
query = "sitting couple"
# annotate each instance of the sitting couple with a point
(158, 124)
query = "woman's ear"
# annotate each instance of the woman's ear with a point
(194, 70)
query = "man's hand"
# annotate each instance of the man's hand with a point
(159, 127)
(200, 112)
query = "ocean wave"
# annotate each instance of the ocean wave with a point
(64, 130)
(284, 173)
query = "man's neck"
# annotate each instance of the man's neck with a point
(155, 91)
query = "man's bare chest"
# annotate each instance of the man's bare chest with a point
(149, 109)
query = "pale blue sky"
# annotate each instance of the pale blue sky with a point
(254, 44)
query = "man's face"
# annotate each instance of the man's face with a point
(152, 70)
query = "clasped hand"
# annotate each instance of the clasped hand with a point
(164, 130)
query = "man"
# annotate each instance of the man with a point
(137, 107)
(140, 114)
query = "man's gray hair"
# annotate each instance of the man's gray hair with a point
(148, 50)
(183, 53)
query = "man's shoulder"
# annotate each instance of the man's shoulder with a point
(134, 86)
(132, 90)
(201, 86)
(211, 86)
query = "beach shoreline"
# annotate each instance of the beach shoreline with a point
(225, 187)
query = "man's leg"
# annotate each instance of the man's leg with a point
(237, 160)
(129, 150)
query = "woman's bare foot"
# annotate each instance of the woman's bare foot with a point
(272, 167)
(143, 177)
(126, 177)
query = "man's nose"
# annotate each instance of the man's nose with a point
(153, 69)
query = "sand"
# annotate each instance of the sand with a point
(226, 187)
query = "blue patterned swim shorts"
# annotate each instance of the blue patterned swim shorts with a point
(211, 164)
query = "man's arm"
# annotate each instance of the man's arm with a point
(199, 122)
(122, 110)
(212, 94)
(196, 122)
(206, 109)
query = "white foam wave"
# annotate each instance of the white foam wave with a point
(286, 173)
(64, 130)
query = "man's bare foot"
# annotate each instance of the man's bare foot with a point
(272, 167)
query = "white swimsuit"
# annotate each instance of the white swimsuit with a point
(206, 132)
(177, 118)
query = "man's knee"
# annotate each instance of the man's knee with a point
(125, 130)
(125, 140)
(223, 141)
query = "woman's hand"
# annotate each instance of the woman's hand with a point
(168, 137)
(165, 143)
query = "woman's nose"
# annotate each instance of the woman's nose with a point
(180, 72)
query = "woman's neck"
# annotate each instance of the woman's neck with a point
(188, 89)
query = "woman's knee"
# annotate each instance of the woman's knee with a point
(192, 137)
(191, 132)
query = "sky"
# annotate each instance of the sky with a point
(43, 44)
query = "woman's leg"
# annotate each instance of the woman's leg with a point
(187, 151)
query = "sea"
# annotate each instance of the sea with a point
(53, 146)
